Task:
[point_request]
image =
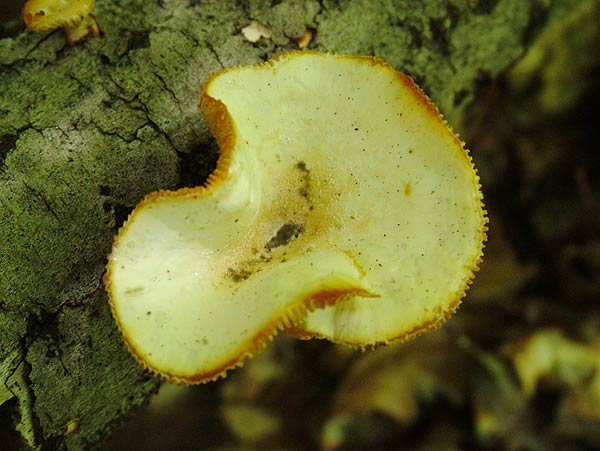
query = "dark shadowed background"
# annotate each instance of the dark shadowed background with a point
(9, 9)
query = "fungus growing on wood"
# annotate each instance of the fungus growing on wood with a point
(256, 30)
(342, 206)
(75, 16)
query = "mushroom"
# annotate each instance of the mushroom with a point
(75, 16)
(342, 206)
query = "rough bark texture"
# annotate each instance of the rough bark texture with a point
(87, 131)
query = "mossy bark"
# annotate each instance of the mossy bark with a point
(87, 131)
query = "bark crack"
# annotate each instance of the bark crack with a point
(116, 134)
(165, 85)
(40, 196)
(214, 53)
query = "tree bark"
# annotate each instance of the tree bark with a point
(86, 131)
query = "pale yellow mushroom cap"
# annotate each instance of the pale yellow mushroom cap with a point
(342, 207)
(75, 16)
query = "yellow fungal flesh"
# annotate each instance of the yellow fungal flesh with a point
(342, 207)
(75, 16)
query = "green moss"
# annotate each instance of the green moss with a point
(13, 327)
(446, 46)
(79, 362)
(60, 191)
(285, 19)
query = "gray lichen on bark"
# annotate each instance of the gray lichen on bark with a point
(87, 131)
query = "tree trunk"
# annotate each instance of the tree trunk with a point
(86, 131)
